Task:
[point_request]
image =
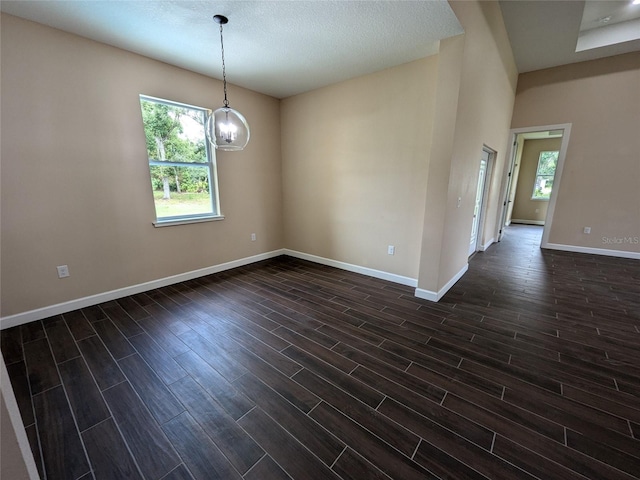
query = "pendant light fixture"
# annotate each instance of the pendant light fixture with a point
(226, 128)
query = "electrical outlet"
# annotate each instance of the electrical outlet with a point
(253, 237)
(587, 230)
(391, 250)
(63, 271)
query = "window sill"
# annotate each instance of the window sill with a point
(540, 199)
(186, 221)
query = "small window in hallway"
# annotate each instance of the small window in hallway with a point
(547, 163)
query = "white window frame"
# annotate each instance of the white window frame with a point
(210, 164)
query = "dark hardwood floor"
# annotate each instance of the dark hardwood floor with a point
(528, 368)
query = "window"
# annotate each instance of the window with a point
(181, 162)
(545, 172)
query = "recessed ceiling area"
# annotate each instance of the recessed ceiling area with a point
(608, 23)
(280, 48)
(545, 34)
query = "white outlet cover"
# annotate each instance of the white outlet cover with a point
(63, 271)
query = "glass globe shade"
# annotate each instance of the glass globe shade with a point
(227, 129)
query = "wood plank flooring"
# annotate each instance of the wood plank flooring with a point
(528, 368)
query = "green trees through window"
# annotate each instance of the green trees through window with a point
(547, 163)
(180, 160)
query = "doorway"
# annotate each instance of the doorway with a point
(482, 190)
(519, 137)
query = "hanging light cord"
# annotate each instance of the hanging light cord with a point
(224, 74)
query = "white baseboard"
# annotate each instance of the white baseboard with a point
(392, 277)
(593, 251)
(49, 311)
(45, 312)
(527, 222)
(487, 244)
(435, 296)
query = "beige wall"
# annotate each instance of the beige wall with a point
(600, 185)
(435, 214)
(355, 158)
(482, 62)
(524, 208)
(75, 181)
(381, 160)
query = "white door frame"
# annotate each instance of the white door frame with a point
(510, 179)
(479, 246)
(566, 127)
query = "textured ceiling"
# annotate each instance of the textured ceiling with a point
(283, 48)
(280, 48)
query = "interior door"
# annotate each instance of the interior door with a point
(512, 181)
(477, 209)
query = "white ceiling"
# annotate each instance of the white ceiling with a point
(286, 47)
